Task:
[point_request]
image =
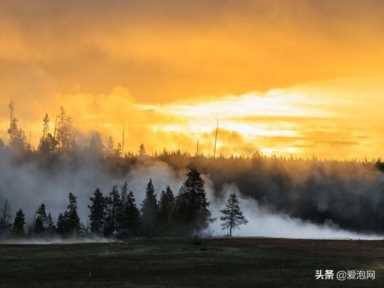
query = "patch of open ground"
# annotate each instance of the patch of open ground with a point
(237, 262)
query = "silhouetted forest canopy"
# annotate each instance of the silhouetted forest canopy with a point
(346, 194)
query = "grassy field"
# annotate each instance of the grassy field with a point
(245, 262)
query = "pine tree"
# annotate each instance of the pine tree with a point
(166, 210)
(5, 218)
(64, 132)
(232, 216)
(17, 139)
(48, 142)
(18, 224)
(113, 212)
(68, 224)
(97, 212)
(149, 211)
(40, 223)
(73, 219)
(61, 225)
(121, 210)
(192, 210)
(130, 220)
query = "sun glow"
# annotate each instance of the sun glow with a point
(328, 121)
(273, 103)
(242, 117)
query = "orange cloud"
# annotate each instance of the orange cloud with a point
(167, 69)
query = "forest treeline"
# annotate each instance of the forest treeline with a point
(347, 194)
(117, 214)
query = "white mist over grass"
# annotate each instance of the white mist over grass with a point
(26, 186)
(263, 223)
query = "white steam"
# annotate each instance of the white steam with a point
(263, 223)
(27, 185)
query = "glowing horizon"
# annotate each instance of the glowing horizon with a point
(278, 122)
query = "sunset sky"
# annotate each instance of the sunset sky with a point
(303, 77)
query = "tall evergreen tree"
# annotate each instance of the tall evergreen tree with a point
(113, 212)
(72, 215)
(18, 224)
(97, 212)
(5, 218)
(48, 142)
(232, 216)
(149, 211)
(71, 218)
(61, 225)
(64, 132)
(130, 220)
(17, 139)
(192, 210)
(40, 223)
(166, 210)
